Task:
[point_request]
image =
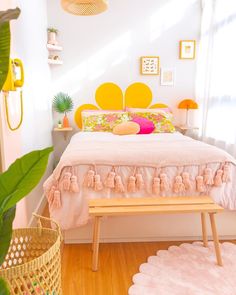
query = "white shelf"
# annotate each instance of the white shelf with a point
(55, 62)
(51, 47)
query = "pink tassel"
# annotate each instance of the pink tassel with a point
(74, 184)
(131, 184)
(164, 186)
(218, 177)
(139, 181)
(186, 181)
(226, 173)
(178, 185)
(50, 195)
(200, 184)
(89, 179)
(208, 177)
(57, 199)
(66, 181)
(119, 187)
(110, 181)
(156, 185)
(98, 186)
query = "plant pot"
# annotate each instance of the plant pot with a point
(65, 123)
(52, 38)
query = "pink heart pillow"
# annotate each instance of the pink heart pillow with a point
(146, 126)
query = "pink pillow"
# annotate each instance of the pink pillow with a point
(146, 126)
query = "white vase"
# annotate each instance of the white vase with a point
(52, 38)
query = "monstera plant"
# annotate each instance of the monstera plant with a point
(25, 173)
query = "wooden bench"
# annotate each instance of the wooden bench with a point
(137, 206)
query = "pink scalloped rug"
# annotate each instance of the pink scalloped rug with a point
(189, 269)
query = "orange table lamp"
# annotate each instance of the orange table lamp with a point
(187, 104)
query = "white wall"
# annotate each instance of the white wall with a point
(107, 47)
(29, 38)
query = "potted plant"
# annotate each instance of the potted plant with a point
(25, 173)
(52, 34)
(63, 104)
(59, 124)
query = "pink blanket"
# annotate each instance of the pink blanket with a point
(105, 165)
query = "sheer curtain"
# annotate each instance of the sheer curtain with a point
(216, 73)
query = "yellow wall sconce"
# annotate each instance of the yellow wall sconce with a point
(188, 104)
(84, 7)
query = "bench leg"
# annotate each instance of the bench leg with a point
(216, 239)
(96, 235)
(204, 230)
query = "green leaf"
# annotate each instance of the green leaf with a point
(62, 103)
(7, 15)
(4, 288)
(5, 41)
(21, 177)
(4, 52)
(6, 232)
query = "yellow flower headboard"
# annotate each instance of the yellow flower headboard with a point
(109, 96)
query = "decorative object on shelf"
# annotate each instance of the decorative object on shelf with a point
(188, 104)
(59, 124)
(84, 7)
(150, 65)
(63, 104)
(52, 36)
(187, 49)
(167, 76)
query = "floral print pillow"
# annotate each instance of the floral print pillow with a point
(104, 121)
(161, 119)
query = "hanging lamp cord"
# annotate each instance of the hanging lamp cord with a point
(7, 111)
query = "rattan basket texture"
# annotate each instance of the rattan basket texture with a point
(33, 263)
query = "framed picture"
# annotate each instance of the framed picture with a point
(150, 65)
(187, 49)
(167, 76)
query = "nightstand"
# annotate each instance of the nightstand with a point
(184, 129)
(64, 130)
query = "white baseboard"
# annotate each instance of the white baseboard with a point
(145, 239)
(39, 210)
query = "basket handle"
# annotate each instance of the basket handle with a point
(39, 218)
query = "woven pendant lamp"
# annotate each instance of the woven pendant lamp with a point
(84, 7)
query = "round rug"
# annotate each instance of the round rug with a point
(189, 269)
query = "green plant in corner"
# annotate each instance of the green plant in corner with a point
(25, 173)
(63, 104)
(52, 30)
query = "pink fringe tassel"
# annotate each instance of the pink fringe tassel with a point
(89, 179)
(119, 186)
(186, 181)
(208, 177)
(218, 177)
(98, 186)
(164, 186)
(156, 185)
(56, 199)
(226, 173)
(200, 184)
(131, 184)
(110, 181)
(66, 181)
(50, 195)
(178, 185)
(74, 184)
(139, 181)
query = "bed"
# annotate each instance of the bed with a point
(104, 165)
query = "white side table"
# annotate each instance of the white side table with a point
(184, 129)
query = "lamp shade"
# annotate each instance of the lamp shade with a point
(84, 7)
(188, 104)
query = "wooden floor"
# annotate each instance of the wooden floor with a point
(118, 262)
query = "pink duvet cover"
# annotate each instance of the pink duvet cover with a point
(103, 165)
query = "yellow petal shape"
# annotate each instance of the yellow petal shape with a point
(78, 115)
(109, 96)
(138, 95)
(158, 106)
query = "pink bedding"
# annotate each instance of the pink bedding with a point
(97, 164)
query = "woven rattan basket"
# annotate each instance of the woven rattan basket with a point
(33, 263)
